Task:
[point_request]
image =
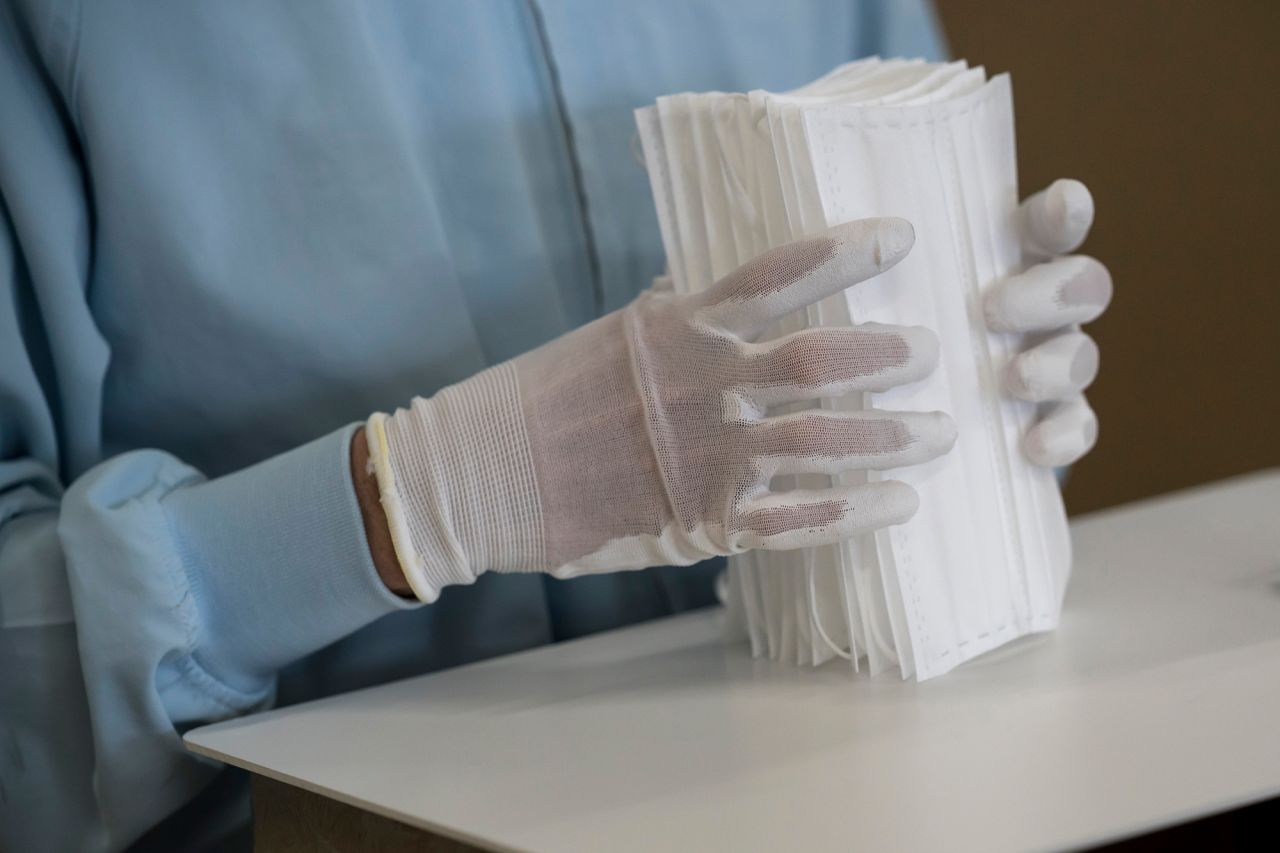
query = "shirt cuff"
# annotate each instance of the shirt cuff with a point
(277, 560)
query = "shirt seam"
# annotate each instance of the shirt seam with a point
(64, 44)
(571, 152)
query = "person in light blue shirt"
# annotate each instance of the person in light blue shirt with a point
(229, 232)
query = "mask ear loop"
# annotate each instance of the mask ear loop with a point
(637, 151)
(813, 607)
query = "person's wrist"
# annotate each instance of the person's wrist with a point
(376, 530)
(457, 483)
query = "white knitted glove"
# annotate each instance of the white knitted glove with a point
(1053, 298)
(642, 438)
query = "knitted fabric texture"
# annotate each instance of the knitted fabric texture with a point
(646, 437)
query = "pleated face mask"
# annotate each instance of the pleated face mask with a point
(986, 557)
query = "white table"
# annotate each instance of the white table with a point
(1157, 701)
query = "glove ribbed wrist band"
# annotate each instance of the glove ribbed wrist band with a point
(457, 483)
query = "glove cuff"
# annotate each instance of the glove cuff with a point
(457, 483)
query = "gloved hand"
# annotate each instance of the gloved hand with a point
(642, 439)
(1053, 298)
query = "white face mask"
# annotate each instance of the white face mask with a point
(987, 555)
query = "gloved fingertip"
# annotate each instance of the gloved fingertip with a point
(993, 310)
(1055, 442)
(924, 349)
(935, 430)
(1073, 206)
(1085, 363)
(1059, 219)
(877, 243)
(950, 430)
(925, 436)
(1002, 308)
(899, 501)
(894, 238)
(1088, 286)
(1057, 369)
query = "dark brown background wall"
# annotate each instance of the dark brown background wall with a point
(1168, 111)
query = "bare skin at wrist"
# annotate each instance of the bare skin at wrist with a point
(376, 531)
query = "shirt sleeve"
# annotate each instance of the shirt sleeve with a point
(137, 597)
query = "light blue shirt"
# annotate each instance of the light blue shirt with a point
(228, 232)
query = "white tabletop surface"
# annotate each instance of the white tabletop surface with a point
(1157, 700)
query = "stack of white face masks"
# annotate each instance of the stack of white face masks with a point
(986, 558)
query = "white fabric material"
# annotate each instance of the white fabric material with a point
(646, 437)
(1055, 369)
(462, 488)
(987, 556)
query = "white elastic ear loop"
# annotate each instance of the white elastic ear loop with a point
(813, 607)
(637, 151)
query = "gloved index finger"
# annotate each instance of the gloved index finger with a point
(797, 274)
(1057, 219)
